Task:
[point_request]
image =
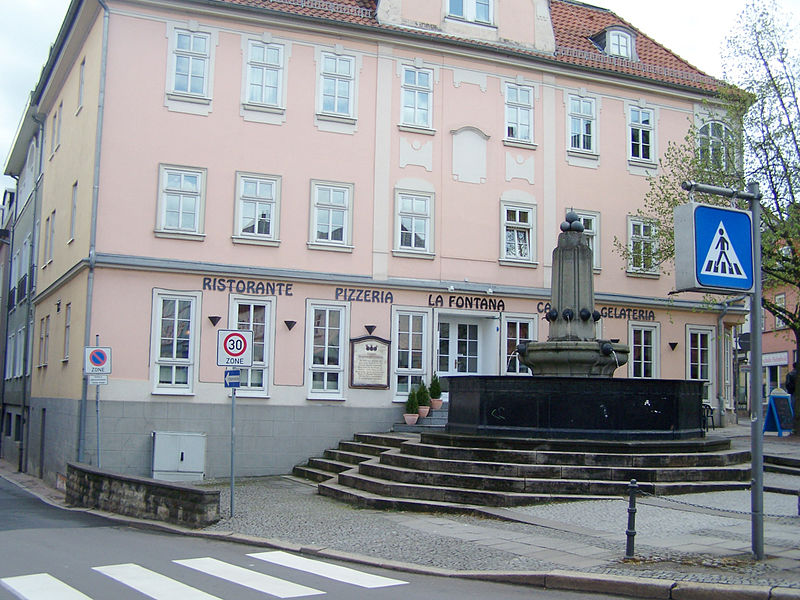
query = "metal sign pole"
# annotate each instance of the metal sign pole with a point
(97, 406)
(233, 442)
(756, 377)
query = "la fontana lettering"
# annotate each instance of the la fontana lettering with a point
(247, 286)
(475, 302)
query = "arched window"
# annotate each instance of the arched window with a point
(715, 144)
(619, 44)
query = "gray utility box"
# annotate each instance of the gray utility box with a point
(179, 455)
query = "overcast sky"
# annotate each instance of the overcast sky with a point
(694, 29)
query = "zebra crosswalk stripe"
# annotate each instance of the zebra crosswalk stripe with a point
(247, 578)
(41, 586)
(324, 569)
(150, 583)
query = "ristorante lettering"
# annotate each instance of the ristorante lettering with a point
(247, 286)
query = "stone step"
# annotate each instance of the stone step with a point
(363, 448)
(316, 475)
(351, 458)
(543, 471)
(524, 485)
(365, 499)
(769, 468)
(330, 465)
(683, 446)
(781, 464)
(388, 440)
(433, 494)
(554, 457)
(419, 428)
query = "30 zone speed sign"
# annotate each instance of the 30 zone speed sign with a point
(234, 348)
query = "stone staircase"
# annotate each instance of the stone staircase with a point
(436, 471)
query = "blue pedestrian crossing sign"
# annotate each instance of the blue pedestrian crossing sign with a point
(713, 249)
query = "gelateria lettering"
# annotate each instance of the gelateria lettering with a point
(362, 295)
(247, 286)
(612, 312)
(475, 302)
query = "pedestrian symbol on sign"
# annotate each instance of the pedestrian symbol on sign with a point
(721, 258)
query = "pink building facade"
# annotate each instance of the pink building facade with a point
(374, 190)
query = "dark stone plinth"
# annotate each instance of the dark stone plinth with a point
(558, 407)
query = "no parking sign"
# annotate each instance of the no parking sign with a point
(97, 360)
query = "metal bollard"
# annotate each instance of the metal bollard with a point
(633, 487)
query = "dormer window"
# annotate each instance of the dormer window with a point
(619, 44)
(616, 42)
(477, 11)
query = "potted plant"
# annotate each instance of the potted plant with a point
(436, 392)
(412, 408)
(424, 400)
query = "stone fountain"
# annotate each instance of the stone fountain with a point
(572, 393)
(572, 349)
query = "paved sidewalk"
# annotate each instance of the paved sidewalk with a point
(692, 546)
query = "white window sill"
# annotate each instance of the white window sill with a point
(325, 398)
(520, 144)
(172, 392)
(192, 99)
(180, 235)
(509, 262)
(265, 108)
(643, 274)
(457, 19)
(583, 154)
(416, 129)
(646, 164)
(403, 253)
(330, 247)
(346, 119)
(255, 241)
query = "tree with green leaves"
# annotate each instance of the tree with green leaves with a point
(751, 132)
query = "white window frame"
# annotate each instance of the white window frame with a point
(414, 95)
(410, 374)
(164, 189)
(50, 237)
(81, 85)
(468, 10)
(19, 358)
(509, 358)
(319, 207)
(73, 216)
(325, 75)
(515, 108)
(780, 300)
(193, 57)
(424, 219)
(261, 336)
(577, 119)
(343, 344)
(593, 233)
(44, 340)
(11, 354)
(640, 127)
(710, 363)
(264, 66)
(636, 366)
(619, 43)
(636, 235)
(53, 136)
(259, 201)
(190, 362)
(717, 144)
(67, 328)
(507, 226)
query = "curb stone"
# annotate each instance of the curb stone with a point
(636, 587)
(686, 590)
(784, 593)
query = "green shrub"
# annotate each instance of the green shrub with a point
(436, 387)
(412, 406)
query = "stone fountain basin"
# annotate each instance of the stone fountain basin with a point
(568, 358)
(577, 407)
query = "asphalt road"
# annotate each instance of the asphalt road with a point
(48, 553)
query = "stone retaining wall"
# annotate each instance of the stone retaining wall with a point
(141, 497)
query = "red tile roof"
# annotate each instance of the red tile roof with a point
(574, 24)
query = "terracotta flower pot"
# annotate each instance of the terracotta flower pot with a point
(411, 419)
(436, 403)
(423, 411)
